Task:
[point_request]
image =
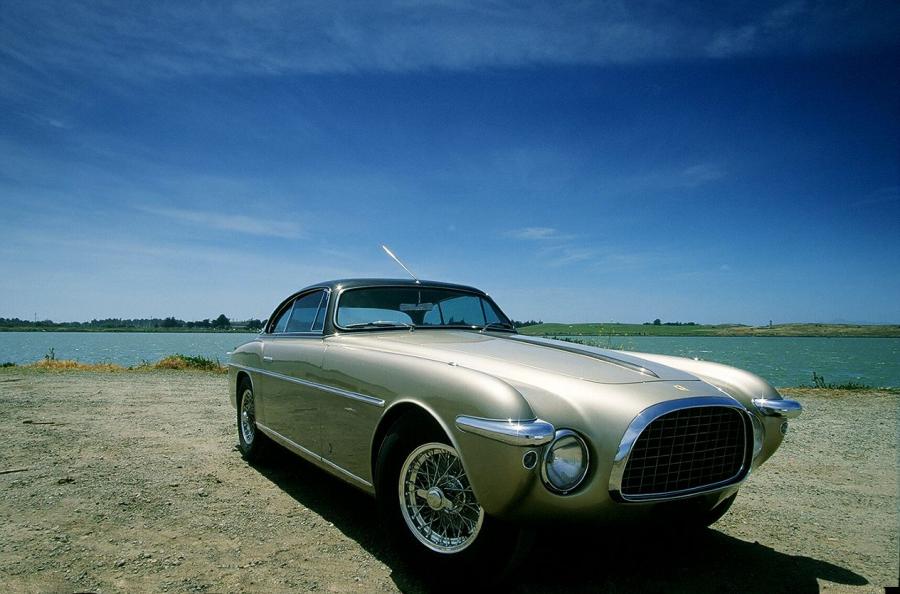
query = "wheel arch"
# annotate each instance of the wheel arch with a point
(240, 377)
(397, 411)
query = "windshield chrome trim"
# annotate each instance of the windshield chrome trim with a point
(650, 414)
(482, 294)
(307, 453)
(534, 432)
(325, 388)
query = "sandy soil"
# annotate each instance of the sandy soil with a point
(132, 483)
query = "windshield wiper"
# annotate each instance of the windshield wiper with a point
(506, 325)
(382, 324)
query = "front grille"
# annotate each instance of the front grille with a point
(687, 449)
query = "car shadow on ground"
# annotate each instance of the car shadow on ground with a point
(575, 559)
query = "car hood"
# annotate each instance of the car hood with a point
(517, 357)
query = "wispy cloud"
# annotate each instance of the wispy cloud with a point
(555, 248)
(570, 255)
(702, 173)
(536, 234)
(172, 39)
(229, 222)
(763, 31)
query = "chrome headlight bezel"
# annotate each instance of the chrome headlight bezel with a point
(564, 437)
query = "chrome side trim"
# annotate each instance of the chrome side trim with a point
(296, 380)
(309, 454)
(650, 414)
(518, 433)
(778, 408)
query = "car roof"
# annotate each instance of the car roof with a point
(350, 283)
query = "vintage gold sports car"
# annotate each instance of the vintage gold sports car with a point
(423, 394)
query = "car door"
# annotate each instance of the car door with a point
(351, 410)
(292, 361)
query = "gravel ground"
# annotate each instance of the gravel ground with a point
(131, 482)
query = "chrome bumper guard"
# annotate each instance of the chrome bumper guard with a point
(518, 433)
(778, 408)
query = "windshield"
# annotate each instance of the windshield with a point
(417, 307)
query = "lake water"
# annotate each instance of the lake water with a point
(782, 361)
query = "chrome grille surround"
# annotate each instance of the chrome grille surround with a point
(689, 410)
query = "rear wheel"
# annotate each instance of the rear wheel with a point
(252, 442)
(429, 508)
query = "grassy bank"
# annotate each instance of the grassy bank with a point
(177, 362)
(796, 330)
(127, 329)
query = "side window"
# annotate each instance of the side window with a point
(304, 312)
(282, 321)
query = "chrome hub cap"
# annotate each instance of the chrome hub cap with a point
(437, 501)
(248, 418)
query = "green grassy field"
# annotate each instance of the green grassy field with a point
(823, 330)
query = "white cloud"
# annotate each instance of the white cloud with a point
(230, 222)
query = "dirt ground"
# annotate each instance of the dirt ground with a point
(131, 482)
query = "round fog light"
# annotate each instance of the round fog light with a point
(529, 460)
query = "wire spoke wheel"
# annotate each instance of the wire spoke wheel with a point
(437, 501)
(248, 417)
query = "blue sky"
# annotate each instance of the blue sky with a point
(579, 161)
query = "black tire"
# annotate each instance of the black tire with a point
(251, 441)
(495, 547)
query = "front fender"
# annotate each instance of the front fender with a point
(445, 392)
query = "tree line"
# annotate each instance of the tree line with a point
(222, 322)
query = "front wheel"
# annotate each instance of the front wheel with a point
(430, 511)
(436, 499)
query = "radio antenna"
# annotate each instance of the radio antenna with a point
(397, 260)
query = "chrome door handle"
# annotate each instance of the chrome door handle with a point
(267, 359)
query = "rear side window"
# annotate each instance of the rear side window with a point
(305, 311)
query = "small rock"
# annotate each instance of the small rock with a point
(120, 562)
(65, 480)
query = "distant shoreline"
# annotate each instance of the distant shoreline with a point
(722, 330)
(589, 330)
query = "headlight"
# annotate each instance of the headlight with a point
(759, 435)
(565, 461)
